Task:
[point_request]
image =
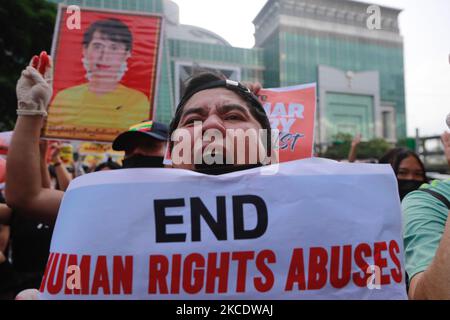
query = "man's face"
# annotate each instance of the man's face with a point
(105, 57)
(222, 110)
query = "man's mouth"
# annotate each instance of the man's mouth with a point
(102, 67)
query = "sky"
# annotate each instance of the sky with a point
(425, 26)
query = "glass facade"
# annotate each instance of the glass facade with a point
(249, 61)
(351, 114)
(272, 61)
(302, 53)
(294, 55)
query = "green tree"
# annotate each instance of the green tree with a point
(372, 149)
(26, 28)
(340, 147)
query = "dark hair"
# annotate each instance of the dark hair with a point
(113, 29)
(108, 164)
(207, 76)
(395, 156)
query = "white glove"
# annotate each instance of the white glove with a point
(34, 92)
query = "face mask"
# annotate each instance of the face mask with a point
(139, 161)
(215, 170)
(407, 186)
(123, 69)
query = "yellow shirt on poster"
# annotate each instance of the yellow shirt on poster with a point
(79, 113)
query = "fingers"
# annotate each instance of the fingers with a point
(256, 87)
(253, 86)
(34, 62)
(48, 73)
(43, 64)
(26, 73)
(43, 61)
(35, 75)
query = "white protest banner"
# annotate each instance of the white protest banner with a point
(317, 229)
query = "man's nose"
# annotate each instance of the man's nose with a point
(214, 121)
(107, 54)
(100, 55)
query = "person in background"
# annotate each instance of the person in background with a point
(29, 244)
(63, 176)
(54, 175)
(144, 145)
(108, 165)
(408, 168)
(4, 238)
(352, 155)
(23, 242)
(5, 211)
(5, 216)
(426, 236)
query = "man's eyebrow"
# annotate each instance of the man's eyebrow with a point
(232, 106)
(199, 110)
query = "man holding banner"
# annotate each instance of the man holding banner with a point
(298, 230)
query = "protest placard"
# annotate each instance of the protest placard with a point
(292, 111)
(317, 229)
(105, 73)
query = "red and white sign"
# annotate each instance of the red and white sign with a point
(317, 229)
(292, 110)
(105, 73)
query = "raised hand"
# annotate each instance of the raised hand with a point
(253, 86)
(356, 140)
(34, 90)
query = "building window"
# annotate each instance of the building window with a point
(184, 70)
(388, 123)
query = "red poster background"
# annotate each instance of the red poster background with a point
(306, 96)
(142, 65)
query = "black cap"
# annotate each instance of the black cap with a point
(235, 86)
(153, 129)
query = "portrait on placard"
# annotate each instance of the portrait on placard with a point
(105, 74)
